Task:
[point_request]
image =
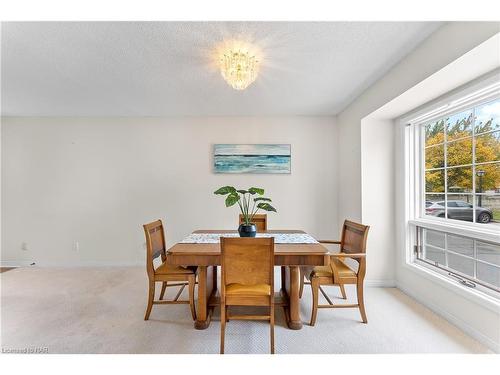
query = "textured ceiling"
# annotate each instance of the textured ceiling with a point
(167, 68)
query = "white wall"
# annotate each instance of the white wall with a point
(377, 188)
(359, 151)
(96, 181)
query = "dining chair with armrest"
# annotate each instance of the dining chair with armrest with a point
(260, 221)
(338, 272)
(165, 273)
(247, 279)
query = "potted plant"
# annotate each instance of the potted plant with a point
(249, 205)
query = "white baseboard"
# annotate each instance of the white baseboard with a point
(485, 340)
(71, 264)
(368, 282)
(15, 263)
(380, 283)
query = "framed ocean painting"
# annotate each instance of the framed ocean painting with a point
(258, 158)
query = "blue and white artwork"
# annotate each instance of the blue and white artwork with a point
(262, 158)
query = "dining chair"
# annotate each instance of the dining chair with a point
(165, 273)
(247, 279)
(260, 221)
(352, 246)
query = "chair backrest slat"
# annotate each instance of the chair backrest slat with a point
(260, 221)
(247, 261)
(155, 243)
(354, 237)
(156, 254)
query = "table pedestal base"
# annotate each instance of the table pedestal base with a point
(288, 297)
(207, 289)
(290, 285)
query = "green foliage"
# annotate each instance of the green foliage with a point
(245, 200)
(266, 207)
(262, 199)
(461, 127)
(254, 190)
(459, 152)
(434, 133)
(486, 127)
(232, 199)
(225, 190)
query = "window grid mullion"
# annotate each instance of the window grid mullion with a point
(464, 165)
(475, 257)
(488, 263)
(421, 138)
(474, 169)
(446, 249)
(484, 133)
(461, 255)
(423, 237)
(445, 130)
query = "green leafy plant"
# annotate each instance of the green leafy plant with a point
(245, 199)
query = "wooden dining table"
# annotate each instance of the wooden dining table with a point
(290, 256)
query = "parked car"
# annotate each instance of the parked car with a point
(459, 210)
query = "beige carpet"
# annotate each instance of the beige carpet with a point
(100, 310)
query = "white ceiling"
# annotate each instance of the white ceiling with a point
(167, 69)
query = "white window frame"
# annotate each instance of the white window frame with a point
(418, 128)
(447, 270)
(474, 94)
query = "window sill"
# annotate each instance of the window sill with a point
(487, 232)
(475, 296)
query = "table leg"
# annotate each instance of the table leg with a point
(207, 286)
(283, 278)
(290, 279)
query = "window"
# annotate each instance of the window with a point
(461, 173)
(470, 261)
(453, 188)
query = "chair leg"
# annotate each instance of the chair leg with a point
(272, 329)
(361, 301)
(342, 290)
(150, 299)
(222, 327)
(302, 275)
(163, 288)
(315, 289)
(191, 296)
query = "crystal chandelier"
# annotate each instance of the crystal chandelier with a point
(239, 68)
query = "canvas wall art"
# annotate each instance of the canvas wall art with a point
(258, 158)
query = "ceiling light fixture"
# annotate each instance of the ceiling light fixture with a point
(239, 67)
